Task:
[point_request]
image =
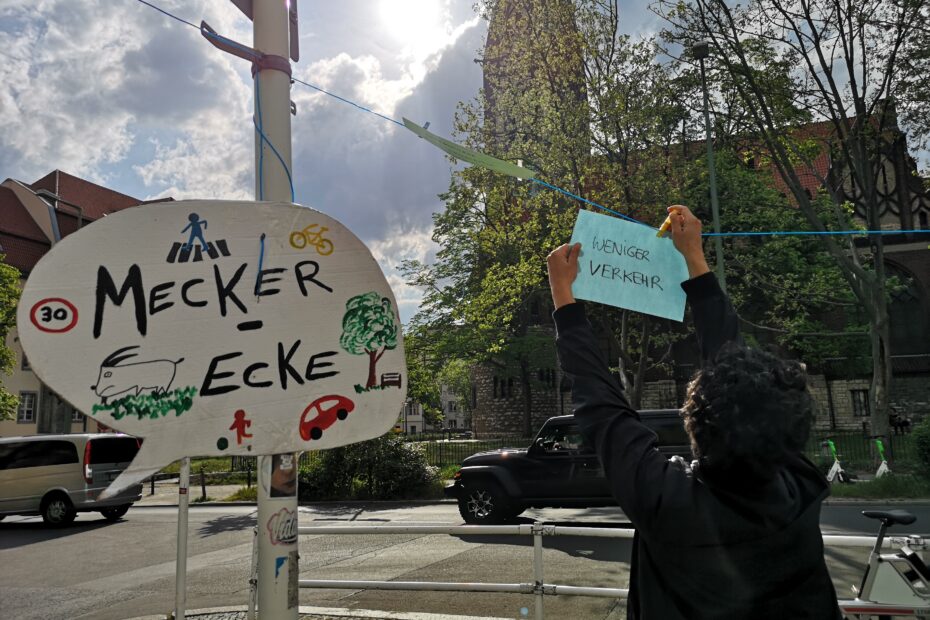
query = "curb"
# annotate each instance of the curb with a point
(325, 613)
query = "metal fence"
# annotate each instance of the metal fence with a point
(856, 450)
(538, 588)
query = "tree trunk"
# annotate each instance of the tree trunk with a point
(881, 363)
(372, 363)
(624, 342)
(636, 396)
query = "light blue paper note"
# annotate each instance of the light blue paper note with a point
(624, 264)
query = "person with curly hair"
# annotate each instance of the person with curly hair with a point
(735, 534)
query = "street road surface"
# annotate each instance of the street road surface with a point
(105, 571)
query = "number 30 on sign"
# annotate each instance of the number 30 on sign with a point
(54, 315)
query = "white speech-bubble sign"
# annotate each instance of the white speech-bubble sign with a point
(213, 328)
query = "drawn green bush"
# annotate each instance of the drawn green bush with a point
(152, 406)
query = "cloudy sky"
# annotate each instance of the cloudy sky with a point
(118, 93)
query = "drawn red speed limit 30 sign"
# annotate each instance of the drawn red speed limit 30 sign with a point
(54, 315)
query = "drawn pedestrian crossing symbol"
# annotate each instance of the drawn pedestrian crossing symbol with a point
(183, 253)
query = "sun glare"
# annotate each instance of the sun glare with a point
(410, 20)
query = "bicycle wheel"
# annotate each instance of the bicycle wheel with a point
(324, 247)
(298, 240)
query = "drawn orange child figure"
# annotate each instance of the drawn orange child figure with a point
(240, 425)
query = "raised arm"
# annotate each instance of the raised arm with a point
(715, 320)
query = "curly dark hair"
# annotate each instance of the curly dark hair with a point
(747, 411)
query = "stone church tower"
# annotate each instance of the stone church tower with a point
(535, 105)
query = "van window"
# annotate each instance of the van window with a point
(113, 450)
(37, 454)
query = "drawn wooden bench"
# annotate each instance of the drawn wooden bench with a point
(390, 378)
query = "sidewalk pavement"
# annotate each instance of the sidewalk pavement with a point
(166, 492)
(323, 613)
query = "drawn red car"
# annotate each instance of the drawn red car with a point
(328, 409)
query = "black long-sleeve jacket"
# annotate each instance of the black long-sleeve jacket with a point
(706, 546)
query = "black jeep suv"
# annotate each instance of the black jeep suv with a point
(557, 471)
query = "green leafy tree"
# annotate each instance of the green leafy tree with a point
(786, 289)
(369, 327)
(844, 64)
(9, 295)
(591, 112)
(422, 383)
(456, 375)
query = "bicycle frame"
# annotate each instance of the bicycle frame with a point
(894, 584)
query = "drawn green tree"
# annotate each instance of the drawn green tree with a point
(369, 327)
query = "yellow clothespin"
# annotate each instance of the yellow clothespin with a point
(667, 224)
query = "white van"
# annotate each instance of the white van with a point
(58, 476)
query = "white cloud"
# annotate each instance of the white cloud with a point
(400, 245)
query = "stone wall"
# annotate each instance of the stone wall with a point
(662, 395)
(498, 408)
(839, 403)
(910, 397)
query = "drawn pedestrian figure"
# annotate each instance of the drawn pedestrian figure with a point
(196, 231)
(240, 425)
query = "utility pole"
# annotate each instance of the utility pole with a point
(275, 40)
(701, 50)
(277, 475)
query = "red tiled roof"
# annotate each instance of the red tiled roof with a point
(15, 220)
(95, 200)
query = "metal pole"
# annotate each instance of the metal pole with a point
(538, 569)
(714, 204)
(277, 488)
(180, 581)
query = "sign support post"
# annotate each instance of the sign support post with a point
(277, 513)
(180, 583)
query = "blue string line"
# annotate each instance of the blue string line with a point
(814, 233)
(538, 181)
(261, 150)
(261, 147)
(586, 201)
(344, 100)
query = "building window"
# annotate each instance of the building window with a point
(27, 407)
(453, 407)
(413, 430)
(26, 365)
(474, 396)
(76, 416)
(509, 388)
(453, 423)
(860, 403)
(495, 387)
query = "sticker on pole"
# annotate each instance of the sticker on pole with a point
(624, 264)
(214, 328)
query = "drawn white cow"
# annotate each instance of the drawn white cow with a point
(116, 377)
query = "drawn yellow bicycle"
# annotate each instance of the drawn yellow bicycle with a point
(309, 236)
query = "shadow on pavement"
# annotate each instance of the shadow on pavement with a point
(592, 548)
(20, 534)
(227, 523)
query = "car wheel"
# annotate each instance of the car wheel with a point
(114, 513)
(57, 510)
(485, 503)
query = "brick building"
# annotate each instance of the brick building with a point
(33, 217)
